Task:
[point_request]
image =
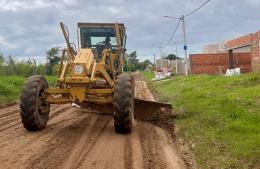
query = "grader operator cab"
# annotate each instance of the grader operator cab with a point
(90, 77)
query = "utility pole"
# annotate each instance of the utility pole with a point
(176, 49)
(184, 38)
(185, 45)
(154, 61)
(184, 33)
(176, 60)
(161, 52)
(161, 56)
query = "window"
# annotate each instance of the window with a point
(92, 37)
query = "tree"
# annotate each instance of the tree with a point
(133, 57)
(2, 70)
(172, 57)
(41, 70)
(143, 65)
(52, 59)
(24, 68)
(10, 69)
(131, 62)
(1, 58)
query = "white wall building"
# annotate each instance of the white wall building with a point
(220, 47)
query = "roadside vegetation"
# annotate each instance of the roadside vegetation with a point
(147, 75)
(219, 117)
(13, 73)
(132, 63)
(10, 87)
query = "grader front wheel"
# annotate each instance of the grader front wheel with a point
(123, 104)
(34, 109)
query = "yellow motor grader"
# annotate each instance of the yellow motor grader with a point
(90, 77)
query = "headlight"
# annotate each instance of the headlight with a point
(78, 69)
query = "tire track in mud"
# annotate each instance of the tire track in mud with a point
(152, 156)
(108, 151)
(6, 127)
(86, 143)
(136, 150)
(12, 122)
(9, 109)
(16, 124)
(8, 114)
(48, 132)
(56, 111)
(11, 116)
(5, 121)
(14, 133)
(15, 111)
(58, 147)
(128, 159)
(5, 112)
(30, 143)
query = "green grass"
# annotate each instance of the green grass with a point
(51, 80)
(147, 75)
(10, 87)
(219, 117)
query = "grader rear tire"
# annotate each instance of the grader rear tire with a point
(34, 109)
(124, 104)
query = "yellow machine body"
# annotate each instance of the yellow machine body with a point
(87, 76)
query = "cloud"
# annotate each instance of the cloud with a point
(17, 5)
(5, 43)
(32, 27)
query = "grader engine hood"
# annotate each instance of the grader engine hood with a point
(83, 62)
(80, 70)
(81, 67)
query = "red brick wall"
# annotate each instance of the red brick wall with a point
(254, 41)
(255, 51)
(239, 42)
(218, 63)
(243, 61)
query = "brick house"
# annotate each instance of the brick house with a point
(242, 52)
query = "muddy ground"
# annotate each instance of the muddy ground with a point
(76, 138)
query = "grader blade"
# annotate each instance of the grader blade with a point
(145, 110)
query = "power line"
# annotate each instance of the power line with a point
(180, 18)
(190, 13)
(175, 30)
(197, 9)
(171, 17)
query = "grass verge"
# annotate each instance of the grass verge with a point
(219, 117)
(147, 75)
(10, 87)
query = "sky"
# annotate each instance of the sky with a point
(30, 27)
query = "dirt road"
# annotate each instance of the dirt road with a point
(75, 138)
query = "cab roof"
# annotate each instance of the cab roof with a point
(100, 25)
